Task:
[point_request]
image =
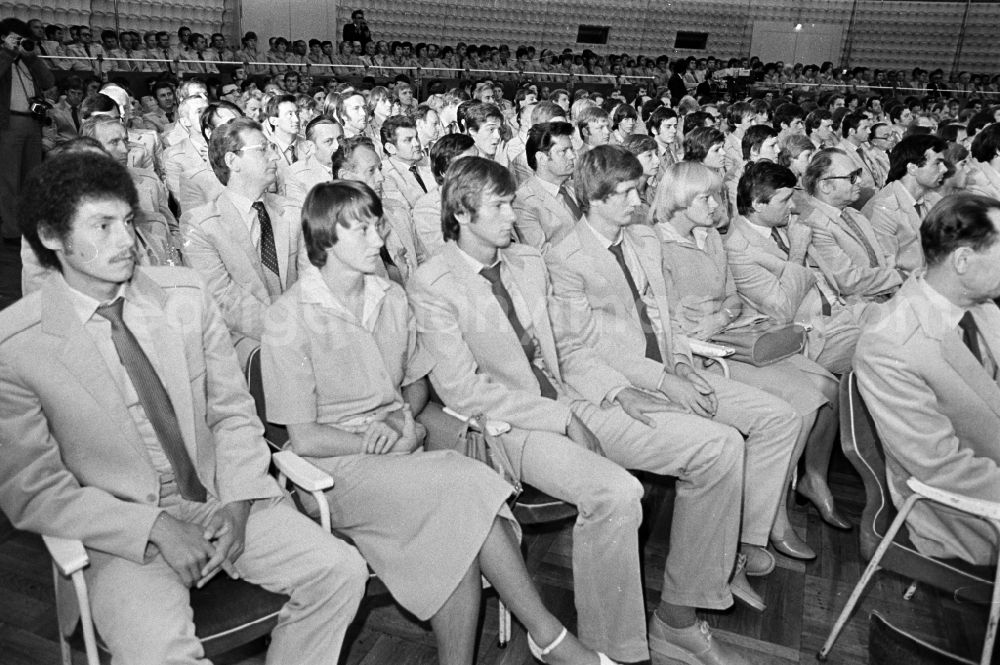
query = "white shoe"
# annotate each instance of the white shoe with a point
(540, 653)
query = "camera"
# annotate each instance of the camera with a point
(28, 44)
(39, 107)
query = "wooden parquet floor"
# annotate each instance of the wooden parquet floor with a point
(803, 598)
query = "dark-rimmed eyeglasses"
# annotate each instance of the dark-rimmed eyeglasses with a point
(853, 176)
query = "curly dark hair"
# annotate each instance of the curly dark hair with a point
(54, 191)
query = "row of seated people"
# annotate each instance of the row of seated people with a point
(190, 52)
(579, 346)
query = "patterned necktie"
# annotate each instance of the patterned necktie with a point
(500, 292)
(293, 155)
(416, 174)
(570, 201)
(970, 335)
(861, 238)
(75, 113)
(864, 158)
(268, 253)
(155, 401)
(652, 346)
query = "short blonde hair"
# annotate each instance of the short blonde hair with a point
(679, 185)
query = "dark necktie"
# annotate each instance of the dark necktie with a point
(416, 174)
(652, 346)
(268, 253)
(970, 335)
(779, 241)
(155, 402)
(166, 56)
(86, 48)
(75, 112)
(201, 56)
(570, 201)
(864, 158)
(919, 207)
(500, 292)
(861, 238)
(293, 155)
(41, 49)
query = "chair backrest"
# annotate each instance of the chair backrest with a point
(863, 448)
(275, 434)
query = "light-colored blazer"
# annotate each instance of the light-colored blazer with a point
(74, 462)
(218, 245)
(593, 300)
(180, 158)
(401, 186)
(541, 217)
(302, 176)
(897, 225)
(479, 365)
(869, 184)
(199, 186)
(984, 180)
(937, 412)
(842, 259)
(427, 222)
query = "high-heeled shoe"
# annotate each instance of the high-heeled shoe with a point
(792, 546)
(827, 510)
(539, 653)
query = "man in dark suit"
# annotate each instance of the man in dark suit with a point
(357, 30)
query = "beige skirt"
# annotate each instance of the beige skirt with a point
(788, 379)
(419, 520)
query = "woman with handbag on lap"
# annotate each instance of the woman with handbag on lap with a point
(342, 369)
(707, 306)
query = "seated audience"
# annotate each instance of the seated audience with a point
(325, 135)
(344, 371)
(843, 244)
(427, 209)
(137, 373)
(926, 364)
(246, 243)
(916, 169)
(546, 205)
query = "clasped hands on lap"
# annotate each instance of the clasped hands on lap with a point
(195, 552)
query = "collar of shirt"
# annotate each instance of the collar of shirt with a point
(282, 148)
(828, 210)
(84, 305)
(474, 264)
(948, 312)
(904, 194)
(550, 188)
(605, 243)
(670, 234)
(244, 206)
(315, 291)
(762, 231)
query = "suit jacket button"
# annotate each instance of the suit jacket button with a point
(151, 498)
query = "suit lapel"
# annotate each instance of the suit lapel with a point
(606, 266)
(650, 255)
(79, 354)
(150, 302)
(282, 227)
(243, 255)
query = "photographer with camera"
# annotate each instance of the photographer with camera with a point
(23, 77)
(357, 30)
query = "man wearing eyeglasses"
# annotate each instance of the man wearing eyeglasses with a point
(244, 243)
(881, 140)
(85, 51)
(844, 246)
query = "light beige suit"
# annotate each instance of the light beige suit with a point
(790, 295)
(480, 367)
(541, 217)
(984, 180)
(218, 245)
(401, 187)
(76, 466)
(896, 223)
(302, 176)
(937, 412)
(199, 186)
(178, 159)
(842, 259)
(869, 182)
(427, 222)
(593, 301)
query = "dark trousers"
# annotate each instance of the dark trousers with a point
(20, 151)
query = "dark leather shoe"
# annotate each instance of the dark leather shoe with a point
(792, 546)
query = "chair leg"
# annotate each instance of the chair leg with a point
(870, 571)
(991, 625)
(86, 621)
(503, 632)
